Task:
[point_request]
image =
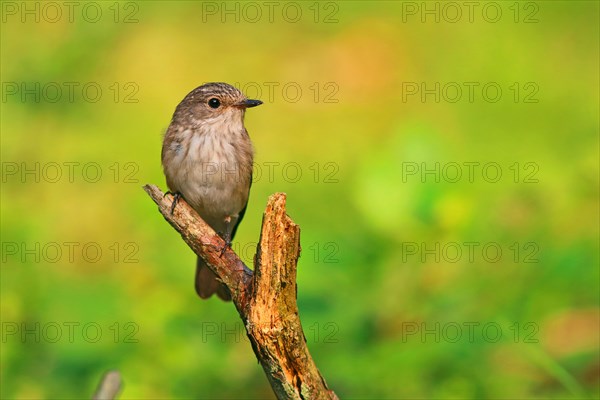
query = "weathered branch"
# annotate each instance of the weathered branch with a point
(266, 299)
(109, 386)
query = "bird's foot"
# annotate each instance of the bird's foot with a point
(227, 245)
(176, 197)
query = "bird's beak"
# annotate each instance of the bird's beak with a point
(248, 103)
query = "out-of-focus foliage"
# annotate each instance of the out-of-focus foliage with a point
(401, 289)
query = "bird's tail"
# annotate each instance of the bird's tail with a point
(207, 283)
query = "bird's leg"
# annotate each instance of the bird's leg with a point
(226, 235)
(176, 197)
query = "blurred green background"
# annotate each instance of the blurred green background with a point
(411, 284)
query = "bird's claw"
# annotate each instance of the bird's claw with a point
(176, 197)
(226, 246)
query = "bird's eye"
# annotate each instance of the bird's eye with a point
(214, 103)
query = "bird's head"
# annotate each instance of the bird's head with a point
(215, 103)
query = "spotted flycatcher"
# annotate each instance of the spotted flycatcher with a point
(207, 159)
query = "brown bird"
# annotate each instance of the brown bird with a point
(207, 159)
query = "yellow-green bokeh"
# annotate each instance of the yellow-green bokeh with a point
(356, 134)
